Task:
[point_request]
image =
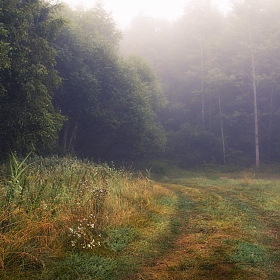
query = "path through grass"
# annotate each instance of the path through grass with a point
(64, 219)
(229, 229)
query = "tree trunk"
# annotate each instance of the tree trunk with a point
(65, 137)
(254, 80)
(222, 130)
(72, 140)
(210, 110)
(270, 124)
(255, 111)
(202, 85)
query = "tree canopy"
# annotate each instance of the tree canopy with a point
(204, 89)
(66, 89)
(28, 79)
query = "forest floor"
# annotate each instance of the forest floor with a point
(224, 228)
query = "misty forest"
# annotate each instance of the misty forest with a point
(146, 153)
(204, 89)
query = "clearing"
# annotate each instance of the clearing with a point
(225, 228)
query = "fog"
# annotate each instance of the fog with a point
(124, 11)
(216, 73)
(216, 62)
(203, 89)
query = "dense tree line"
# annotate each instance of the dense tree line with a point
(220, 75)
(66, 88)
(28, 79)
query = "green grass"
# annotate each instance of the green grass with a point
(84, 266)
(71, 219)
(62, 218)
(231, 230)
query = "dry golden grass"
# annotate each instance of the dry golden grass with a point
(57, 206)
(66, 213)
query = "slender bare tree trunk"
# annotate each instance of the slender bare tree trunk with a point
(65, 136)
(254, 80)
(222, 130)
(210, 111)
(73, 138)
(255, 111)
(270, 123)
(202, 84)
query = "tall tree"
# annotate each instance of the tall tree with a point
(27, 117)
(252, 41)
(218, 81)
(110, 103)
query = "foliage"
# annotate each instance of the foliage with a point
(16, 184)
(192, 92)
(120, 238)
(110, 103)
(28, 78)
(67, 74)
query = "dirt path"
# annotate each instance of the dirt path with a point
(208, 246)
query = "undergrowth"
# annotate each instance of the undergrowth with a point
(62, 218)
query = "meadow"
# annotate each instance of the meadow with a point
(229, 227)
(62, 218)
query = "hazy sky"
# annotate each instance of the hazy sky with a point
(124, 10)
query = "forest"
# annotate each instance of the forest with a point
(202, 90)
(134, 154)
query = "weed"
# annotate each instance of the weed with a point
(15, 184)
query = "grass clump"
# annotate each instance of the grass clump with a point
(86, 267)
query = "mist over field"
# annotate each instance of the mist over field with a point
(147, 148)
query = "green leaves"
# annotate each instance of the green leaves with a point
(27, 116)
(110, 103)
(16, 184)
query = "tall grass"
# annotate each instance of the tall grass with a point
(53, 210)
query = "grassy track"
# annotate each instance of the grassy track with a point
(227, 229)
(64, 219)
